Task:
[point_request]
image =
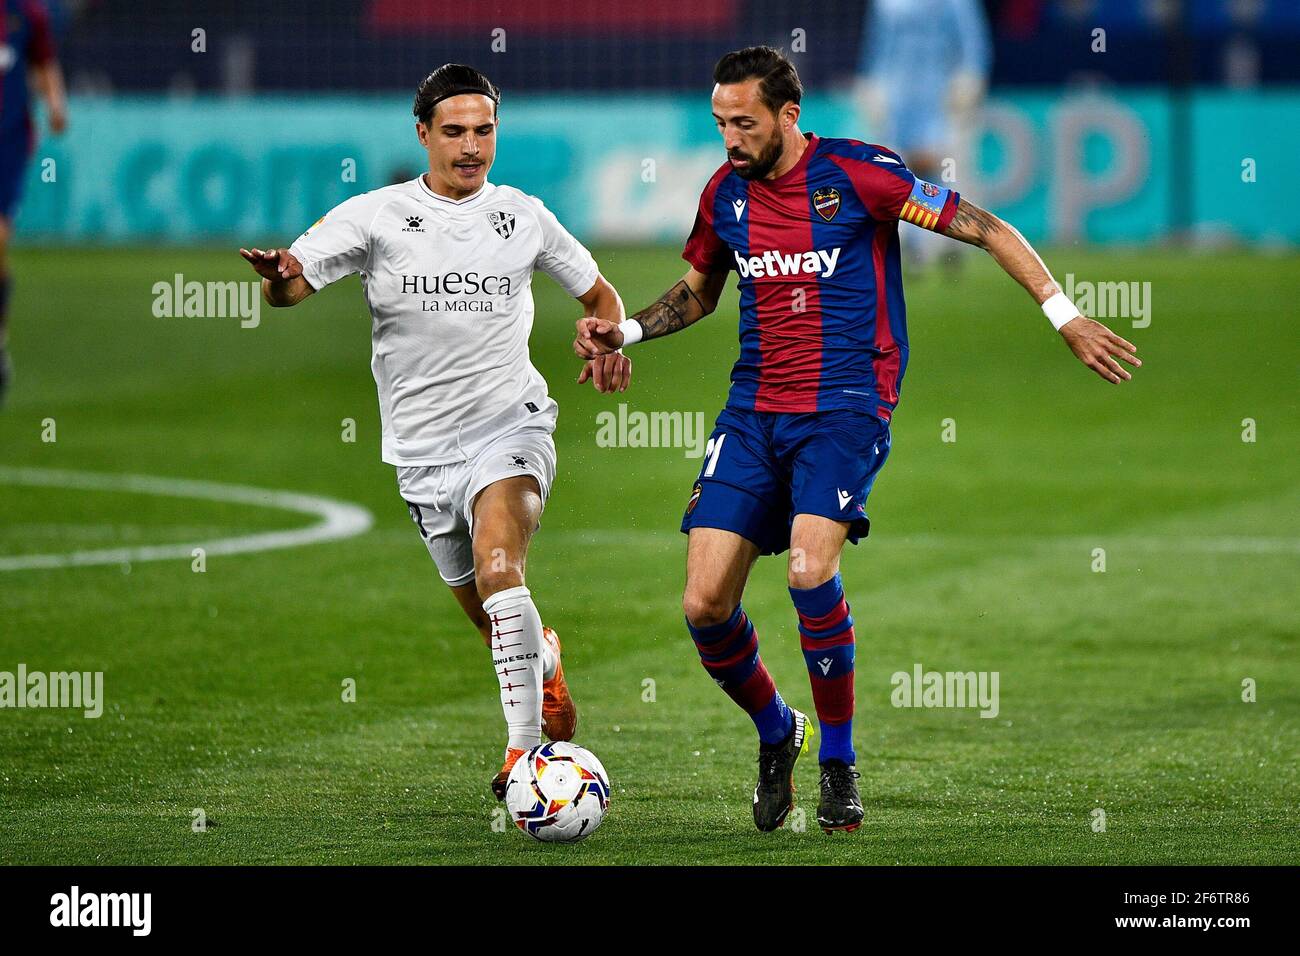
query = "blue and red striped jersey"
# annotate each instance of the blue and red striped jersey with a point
(25, 41)
(822, 319)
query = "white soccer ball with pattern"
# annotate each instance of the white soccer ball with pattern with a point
(558, 792)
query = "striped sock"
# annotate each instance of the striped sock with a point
(517, 658)
(729, 652)
(826, 635)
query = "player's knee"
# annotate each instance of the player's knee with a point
(492, 577)
(704, 608)
(809, 572)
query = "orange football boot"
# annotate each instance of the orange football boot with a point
(499, 781)
(559, 714)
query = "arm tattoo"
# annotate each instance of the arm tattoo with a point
(671, 312)
(972, 224)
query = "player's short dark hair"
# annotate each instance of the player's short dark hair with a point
(451, 79)
(778, 80)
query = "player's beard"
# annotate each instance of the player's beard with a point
(762, 164)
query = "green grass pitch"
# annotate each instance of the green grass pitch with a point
(1119, 690)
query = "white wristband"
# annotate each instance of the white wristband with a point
(632, 332)
(1059, 310)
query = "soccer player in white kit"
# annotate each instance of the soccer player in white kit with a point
(446, 263)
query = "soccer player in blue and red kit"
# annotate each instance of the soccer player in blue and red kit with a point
(810, 227)
(26, 56)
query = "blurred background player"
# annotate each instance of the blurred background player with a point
(923, 73)
(447, 261)
(27, 62)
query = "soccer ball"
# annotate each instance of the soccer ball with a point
(558, 792)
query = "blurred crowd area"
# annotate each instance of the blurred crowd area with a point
(668, 45)
(1103, 121)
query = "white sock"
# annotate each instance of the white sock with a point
(517, 650)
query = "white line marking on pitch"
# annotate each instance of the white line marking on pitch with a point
(338, 518)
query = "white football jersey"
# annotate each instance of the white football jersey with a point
(449, 286)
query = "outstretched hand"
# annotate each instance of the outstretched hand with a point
(1098, 348)
(277, 265)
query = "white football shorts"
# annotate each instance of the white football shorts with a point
(440, 497)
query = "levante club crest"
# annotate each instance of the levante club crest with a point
(827, 203)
